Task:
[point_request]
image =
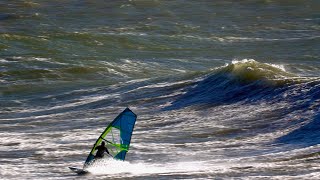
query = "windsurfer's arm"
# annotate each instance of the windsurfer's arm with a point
(96, 148)
(107, 151)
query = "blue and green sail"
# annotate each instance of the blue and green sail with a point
(117, 136)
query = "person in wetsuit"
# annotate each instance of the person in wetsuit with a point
(101, 149)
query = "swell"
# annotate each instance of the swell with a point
(283, 99)
(282, 103)
(246, 80)
(249, 81)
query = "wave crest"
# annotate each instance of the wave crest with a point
(251, 70)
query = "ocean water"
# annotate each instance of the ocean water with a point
(223, 89)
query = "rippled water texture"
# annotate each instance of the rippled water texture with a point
(222, 89)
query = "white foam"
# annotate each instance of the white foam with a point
(278, 66)
(111, 166)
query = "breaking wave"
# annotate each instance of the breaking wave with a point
(249, 81)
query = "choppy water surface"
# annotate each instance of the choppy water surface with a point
(222, 89)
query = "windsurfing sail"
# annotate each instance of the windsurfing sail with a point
(117, 136)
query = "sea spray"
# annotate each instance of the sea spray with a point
(112, 166)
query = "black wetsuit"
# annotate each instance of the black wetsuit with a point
(100, 153)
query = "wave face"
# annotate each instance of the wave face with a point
(277, 93)
(247, 81)
(222, 89)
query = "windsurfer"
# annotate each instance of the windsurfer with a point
(101, 149)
